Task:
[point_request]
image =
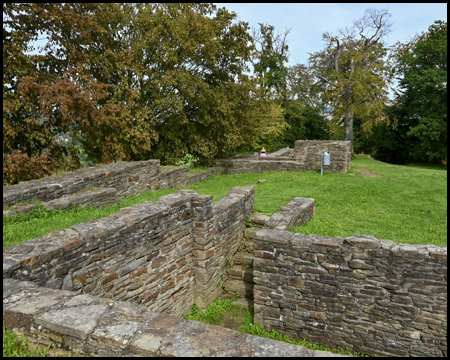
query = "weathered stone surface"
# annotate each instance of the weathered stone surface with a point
(334, 280)
(369, 294)
(259, 219)
(78, 322)
(310, 152)
(111, 328)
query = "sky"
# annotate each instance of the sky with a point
(309, 21)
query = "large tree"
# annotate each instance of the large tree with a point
(73, 86)
(421, 68)
(271, 53)
(193, 62)
(353, 68)
(126, 82)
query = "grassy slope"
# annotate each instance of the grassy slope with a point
(408, 204)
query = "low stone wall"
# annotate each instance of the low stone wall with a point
(371, 295)
(87, 198)
(164, 255)
(309, 152)
(297, 212)
(257, 165)
(239, 281)
(134, 178)
(91, 197)
(105, 327)
(128, 179)
(158, 256)
(307, 155)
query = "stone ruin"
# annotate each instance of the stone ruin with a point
(117, 286)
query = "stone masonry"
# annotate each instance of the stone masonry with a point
(106, 327)
(309, 153)
(106, 184)
(371, 295)
(164, 255)
(98, 186)
(306, 156)
(110, 287)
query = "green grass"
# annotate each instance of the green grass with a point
(220, 310)
(36, 223)
(17, 346)
(408, 204)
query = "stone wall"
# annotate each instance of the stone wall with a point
(239, 280)
(130, 178)
(306, 155)
(112, 182)
(106, 327)
(371, 295)
(164, 255)
(134, 178)
(309, 152)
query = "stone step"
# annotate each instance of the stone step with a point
(239, 287)
(243, 258)
(239, 272)
(235, 272)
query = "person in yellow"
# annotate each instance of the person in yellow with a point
(262, 152)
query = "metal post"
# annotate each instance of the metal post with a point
(321, 164)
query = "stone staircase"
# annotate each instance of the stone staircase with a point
(239, 282)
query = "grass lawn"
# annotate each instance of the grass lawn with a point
(407, 204)
(227, 313)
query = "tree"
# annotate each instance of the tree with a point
(126, 82)
(73, 86)
(271, 53)
(353, 68)
(192, 77)
(421, 69)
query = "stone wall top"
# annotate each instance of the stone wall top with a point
(105, 327)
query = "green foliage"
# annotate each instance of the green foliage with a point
(422, 99)
(216, 312)
(305, 123)
(17, 346)
(353, 69)
(187, 159)
(271, 54)
(126, 82)
(408, 204)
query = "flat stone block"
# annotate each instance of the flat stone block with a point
(78, 321)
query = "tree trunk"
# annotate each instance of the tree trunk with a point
(348, 125)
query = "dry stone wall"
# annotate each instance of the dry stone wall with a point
(164, 255)
(106, 327)
(128, 179)
(99, 186)
(371, 295)
(134, 178)
(309, 153)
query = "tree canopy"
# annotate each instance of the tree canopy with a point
(133, 81)
(125, 82)
(353, 68)
(422, 95)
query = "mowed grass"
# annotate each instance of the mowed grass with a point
(407, 204)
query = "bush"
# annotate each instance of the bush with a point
(187, 159)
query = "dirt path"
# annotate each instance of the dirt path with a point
(366, 173)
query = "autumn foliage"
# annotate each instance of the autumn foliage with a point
(125, 82)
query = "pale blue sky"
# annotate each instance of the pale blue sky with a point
(309, 21)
